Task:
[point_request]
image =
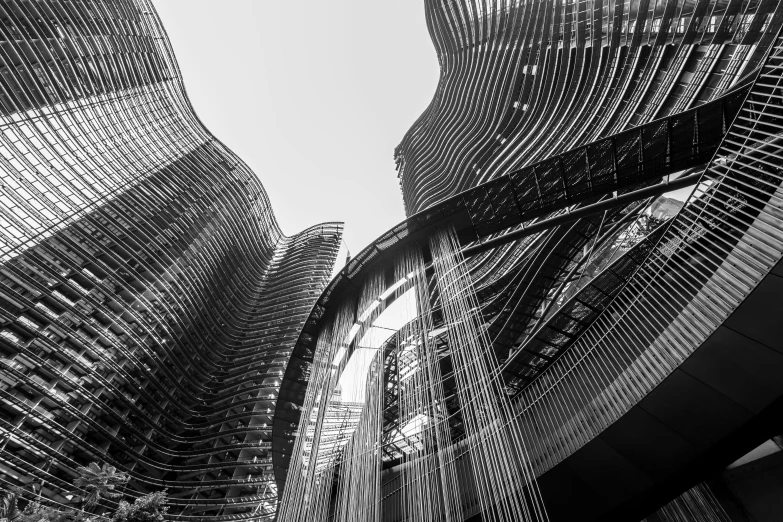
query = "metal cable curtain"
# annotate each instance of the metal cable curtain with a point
(506, 484)
(336, 470)
(698, 504)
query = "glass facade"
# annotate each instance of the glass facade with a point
(607, 174)
(148, 299)
(547, 301)
(521, 81)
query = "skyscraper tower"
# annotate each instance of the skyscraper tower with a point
(536, 341)
(522, 80)
(148, 298)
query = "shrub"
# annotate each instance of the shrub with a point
(149, 508)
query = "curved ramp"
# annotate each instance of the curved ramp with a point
(679, 374)
(720, 403)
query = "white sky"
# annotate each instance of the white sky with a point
(313, 95)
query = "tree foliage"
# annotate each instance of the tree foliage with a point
(149, 508)
(100, 482)
(34, 511)
(37, 512)
(8, 509)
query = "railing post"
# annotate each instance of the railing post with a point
(640, 165)
(562, 176)
(668, 142)
(614, 161)
(589, 170)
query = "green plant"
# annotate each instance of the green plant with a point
(8, 509)
(37, 512)
(99, 482)
(148, 508)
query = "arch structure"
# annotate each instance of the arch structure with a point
(543, 240)
(148, 298)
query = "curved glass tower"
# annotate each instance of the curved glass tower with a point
(522, 80)
(148, 299)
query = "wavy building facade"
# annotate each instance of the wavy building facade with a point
(570, 95)
(548, 336)
(148, 298)
(521, 81)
